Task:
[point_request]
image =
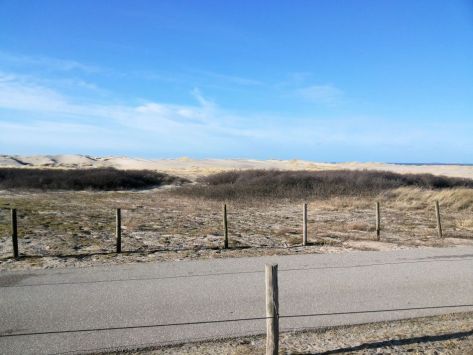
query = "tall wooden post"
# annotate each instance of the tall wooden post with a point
(118, 230)
(378, 222)
(439, 222)
(225, 227)
(14, 233)
(304, 224)
(272, 309)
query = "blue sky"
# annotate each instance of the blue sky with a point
(387, 81)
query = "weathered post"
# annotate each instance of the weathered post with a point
(118, 230)
(378, 222)
(439, 222)
(304, 225)
(225, 227)
(14, 233)
(272, 309)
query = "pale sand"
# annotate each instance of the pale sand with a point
(193, 168)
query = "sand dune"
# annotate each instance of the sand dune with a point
(192, 168)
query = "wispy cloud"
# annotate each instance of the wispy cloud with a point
(35, 115)
(18, 94)
(323, 94)
(205, 117)
(204, 78)
(232, 79)
(53, 64)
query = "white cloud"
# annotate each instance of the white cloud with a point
(324, 94)
(204, 119)
(17, 94)
(34, 116)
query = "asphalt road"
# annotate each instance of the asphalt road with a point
(69, 310)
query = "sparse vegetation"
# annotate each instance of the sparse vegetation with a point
(68, 228)
(58, 229)
(84, 179)
(259, 184)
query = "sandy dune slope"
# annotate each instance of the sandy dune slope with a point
(192, 168)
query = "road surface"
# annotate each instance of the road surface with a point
(72, 310)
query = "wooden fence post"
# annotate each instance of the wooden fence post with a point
(14, 233)
(304, 225)
(439, 222)
(118, 230)
(225, 227)
(272, 309)
(378, 222)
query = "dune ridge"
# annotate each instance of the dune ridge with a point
(193, 168)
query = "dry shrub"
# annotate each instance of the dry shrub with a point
(276, 184)
(84, 179)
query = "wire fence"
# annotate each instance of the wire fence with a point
(232, 320)
(91, 231)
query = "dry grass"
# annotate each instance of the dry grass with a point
(77, 228)
(457, 199)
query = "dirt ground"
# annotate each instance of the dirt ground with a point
(61, 229)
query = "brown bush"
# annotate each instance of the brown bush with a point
(83, 179)
(264, 184)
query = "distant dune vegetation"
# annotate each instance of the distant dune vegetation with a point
(84, 179)
(230, 185)
(257, 184)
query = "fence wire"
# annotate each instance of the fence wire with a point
(231, 320)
